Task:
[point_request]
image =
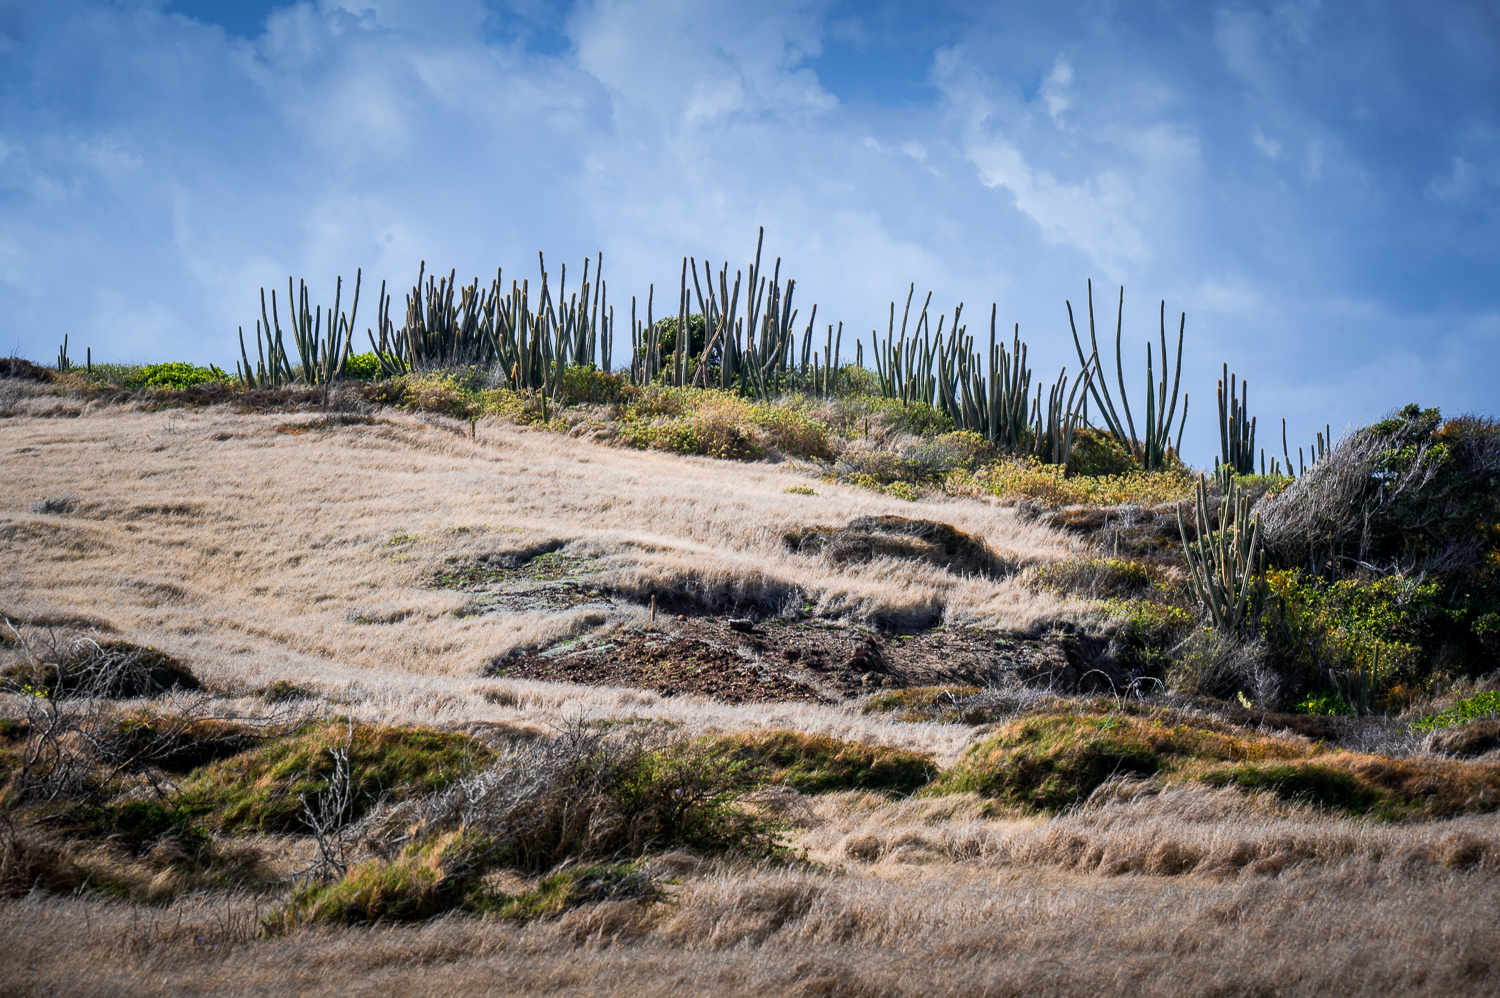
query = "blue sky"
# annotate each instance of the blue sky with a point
(1317, 185)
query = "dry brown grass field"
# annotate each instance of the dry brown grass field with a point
(306, 549)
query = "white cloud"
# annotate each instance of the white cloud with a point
(1269, 148)
(1054, 90)
(1090, 217)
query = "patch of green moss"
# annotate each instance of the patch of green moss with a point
(1047, 763)
(258, 790)
(427, 878)
(815, 764)
(927, 703)
(1312, 783)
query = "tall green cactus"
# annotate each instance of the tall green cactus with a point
(1236, 428)
(1155, 447)
(321, 350)
(63, 361)
(1226, 566)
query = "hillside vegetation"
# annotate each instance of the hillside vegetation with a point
(492, 660)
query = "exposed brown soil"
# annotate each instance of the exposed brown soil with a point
(738, 661)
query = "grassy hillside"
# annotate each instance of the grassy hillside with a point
(425, 683)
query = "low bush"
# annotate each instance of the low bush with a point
(1049, 485)
(1097, 454)
(589, 794)
(1358, 639)
(115, 669)
(362, 367)
(176, 375)
(718, 424)
(427, 877)
(1096, 578)
(1474, 708)
(923, 703)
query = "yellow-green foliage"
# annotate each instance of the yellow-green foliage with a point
(1048, 484)
(1049, 761)
(848, 415)
(362, 367)
(820, 763)
(176, 374)
(718, 424)
(258, 790)
(1369, 628)
(1474, 708)
(448, 392)
(1094, 577)
(1096, 452)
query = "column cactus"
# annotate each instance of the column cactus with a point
(1226, 566)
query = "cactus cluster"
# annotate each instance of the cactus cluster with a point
(529, 337)
(1155, 448)
(498, 328)
(754, 353)
(1318, 450)
(322, 347)
(1226, 565)
(1236, 428)
(985, 394)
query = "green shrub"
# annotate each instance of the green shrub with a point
(585, 384)
(177, 375)
(1326, 636)
(429, 876)
(362, 367)
(1323, 704)
(1096, 453)
(452, 393)
(1149, 629)
(718, 424)
(1474, 708)
(115, 669)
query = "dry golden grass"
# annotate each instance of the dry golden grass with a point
(1301, 905)
(260, 548)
